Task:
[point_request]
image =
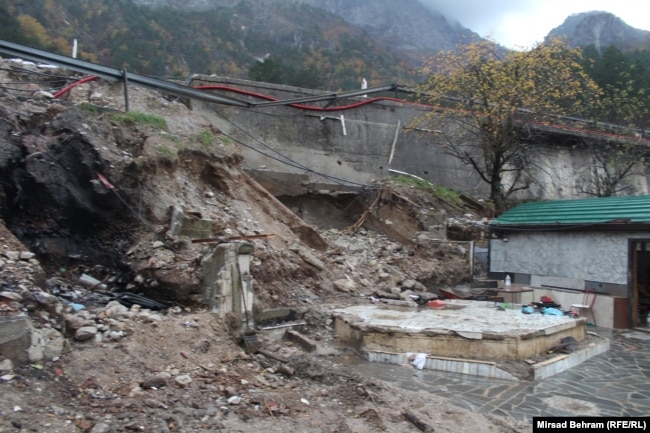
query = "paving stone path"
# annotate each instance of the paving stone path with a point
(616, 383)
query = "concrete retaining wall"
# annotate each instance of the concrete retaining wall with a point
(291, 151)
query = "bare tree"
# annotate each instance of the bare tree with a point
(612, 168)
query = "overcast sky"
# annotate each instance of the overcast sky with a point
(519, 24)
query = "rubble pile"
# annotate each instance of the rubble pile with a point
(379, 267)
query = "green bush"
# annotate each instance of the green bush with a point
(446, 194)
(205, 138)
(168, 152)
(133, 117)
(88, 107)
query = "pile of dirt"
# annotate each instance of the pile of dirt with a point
(87, 196)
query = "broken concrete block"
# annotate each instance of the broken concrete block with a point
(308, 257)
(176, 221)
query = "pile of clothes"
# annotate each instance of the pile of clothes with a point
(546, 306)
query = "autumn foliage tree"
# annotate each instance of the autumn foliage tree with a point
(33, 30)
(489, 100)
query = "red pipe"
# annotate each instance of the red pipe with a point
(73, 85)
(371, 100)
(338, 108)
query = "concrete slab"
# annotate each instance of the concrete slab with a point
(461, 329)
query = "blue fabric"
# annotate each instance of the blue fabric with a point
(553, 312)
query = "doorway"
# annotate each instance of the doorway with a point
(640, 283)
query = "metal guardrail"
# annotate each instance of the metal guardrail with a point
(32, 54)
(36, 55)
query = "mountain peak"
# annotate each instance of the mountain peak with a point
(599, 28)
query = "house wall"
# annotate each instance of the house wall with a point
(572, 260)
(563, 264)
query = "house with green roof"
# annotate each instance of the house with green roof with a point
(563, 248)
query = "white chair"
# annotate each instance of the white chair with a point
(587, 306)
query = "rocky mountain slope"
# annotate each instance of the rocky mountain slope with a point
(411, 29)
(600, 29)
(87, 192)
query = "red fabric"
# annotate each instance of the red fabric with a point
(436, 304)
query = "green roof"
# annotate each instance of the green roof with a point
(603, 210)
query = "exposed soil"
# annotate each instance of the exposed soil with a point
(85, 193)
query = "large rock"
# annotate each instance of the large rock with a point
(46, 344)
(346, 285)
(85, 333)
(22, 343)
(15, 338)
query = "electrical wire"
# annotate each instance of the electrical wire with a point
(639, 133)
(49, 78)
(136, 214)
(338, 180)
(292, 163)
(302, 106)
(365, 191)
(401, 101)
(16, 89)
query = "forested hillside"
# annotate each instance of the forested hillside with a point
(286, 42)
(624, 78)
(280, 42)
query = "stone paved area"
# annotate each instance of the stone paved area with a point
(616, 383)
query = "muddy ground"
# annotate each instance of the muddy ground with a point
(88, 193)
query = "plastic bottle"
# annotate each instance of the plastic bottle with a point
(507, 282)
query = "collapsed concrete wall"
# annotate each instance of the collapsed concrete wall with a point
(227, 282)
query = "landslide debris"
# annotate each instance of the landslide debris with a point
(86, 203)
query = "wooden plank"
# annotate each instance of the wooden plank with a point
(223, 239)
